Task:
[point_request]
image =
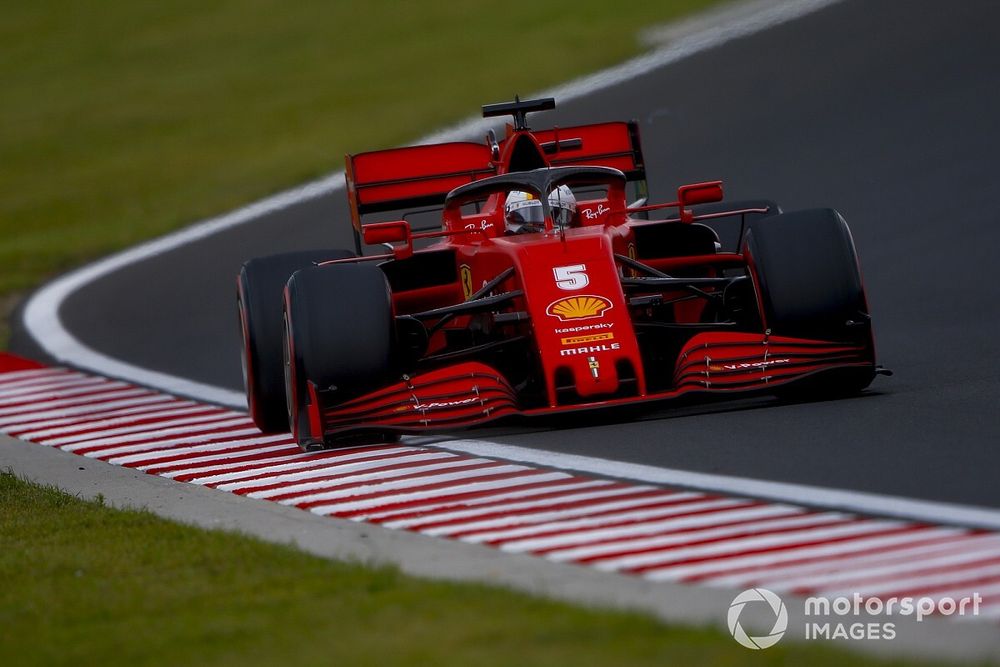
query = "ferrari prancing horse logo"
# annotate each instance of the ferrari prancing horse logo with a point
(465, 273)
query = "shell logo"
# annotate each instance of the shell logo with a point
(583, 307)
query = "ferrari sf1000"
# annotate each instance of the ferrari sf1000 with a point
(547, 283)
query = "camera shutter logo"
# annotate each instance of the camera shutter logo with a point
(780, 618)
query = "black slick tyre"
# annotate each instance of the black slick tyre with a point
(340, 337)
(807, 274)
(260, 285)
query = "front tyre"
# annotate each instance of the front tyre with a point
(340, 339)
(259, 289)
(808, 278)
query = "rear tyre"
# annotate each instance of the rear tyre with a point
(808, 277)
(260, 285)
(340, 336)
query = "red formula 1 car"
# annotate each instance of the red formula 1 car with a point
(544, 286)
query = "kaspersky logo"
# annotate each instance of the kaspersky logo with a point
(583, 307)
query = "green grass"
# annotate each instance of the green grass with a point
(122, 120)
(84, 584)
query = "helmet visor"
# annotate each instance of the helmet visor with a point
(561, 216)
(526, 217)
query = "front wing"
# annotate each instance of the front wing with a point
(472, 393)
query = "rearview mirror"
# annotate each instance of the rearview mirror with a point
(697, 193)
(389, 233)
(700, 193)
(397, 231)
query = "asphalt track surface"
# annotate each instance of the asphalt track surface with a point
(886, 110)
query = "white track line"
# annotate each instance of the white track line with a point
(433, 521)
(612, 541)
(815, 552)
(855, 501)
(144, 432)
(81, 387)
(137, 407)
(242, 457)
(373, 504)
(859, 576)
(576, 526)
(149, 436)
(665, 553)
(16, 376)
(14, 388)
(605, 511)
(311, 464)
(565, 489)
(337, 471)
(101, 399)
(226, 464)
(154, 457)
(900, 554)
(731, 519)
(380, 487)
(923, 583)
(306, 488)
(131, 416)
(228, 437)
(40, 419)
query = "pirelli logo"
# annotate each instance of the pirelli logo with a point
(592, 338)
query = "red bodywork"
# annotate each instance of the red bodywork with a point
(570, 329)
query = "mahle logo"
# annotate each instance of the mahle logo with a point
(780, 618)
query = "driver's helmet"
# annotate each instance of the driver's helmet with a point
(523, 210)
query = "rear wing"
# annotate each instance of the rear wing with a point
(411, 177)
(614, 144)
(421, 176)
